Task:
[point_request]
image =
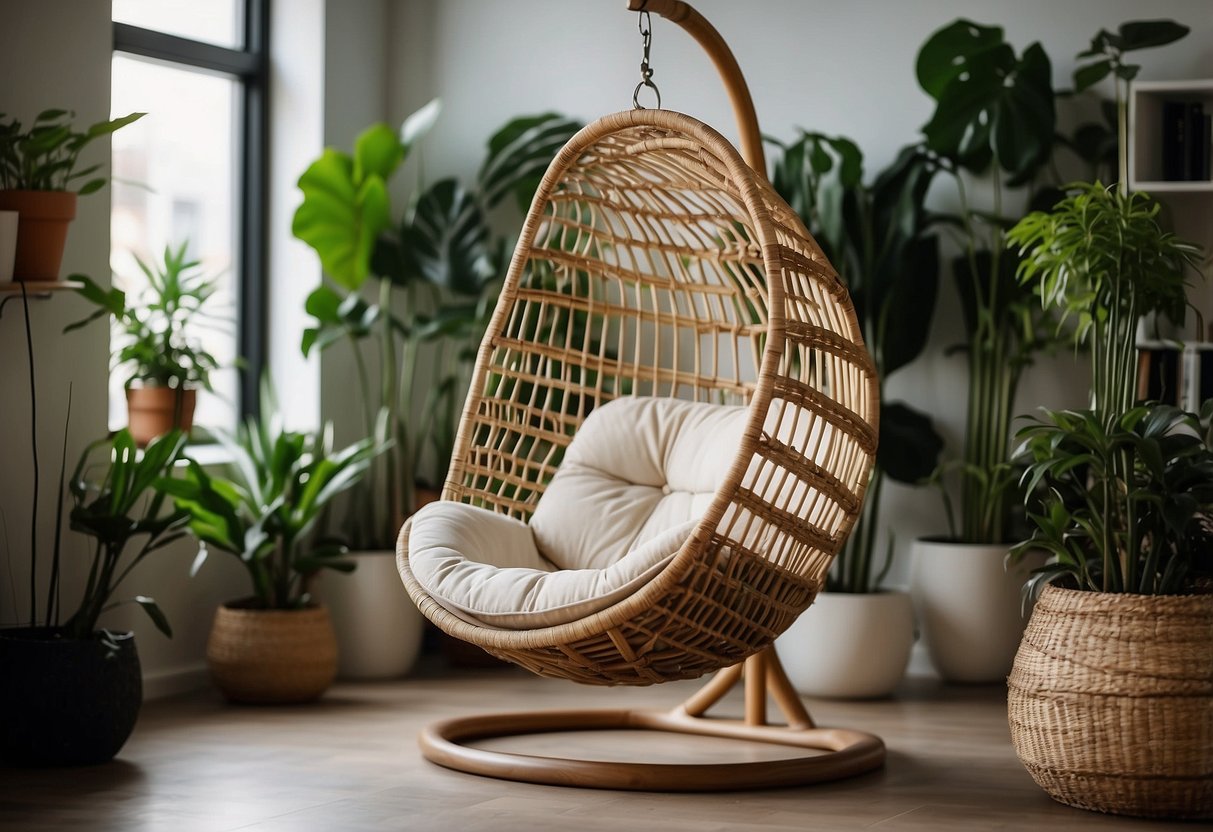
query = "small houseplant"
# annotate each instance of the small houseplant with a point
(276, 645)
(163, 363)
(71, 688)
(38, 170)
(876, 235)
(1111, 695)
(433, 270)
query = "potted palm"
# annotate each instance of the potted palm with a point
(433, 273)
(276, 645)
(165, 365)
(38, 169)
(876, 236)
(1111, 694)
(71, 689)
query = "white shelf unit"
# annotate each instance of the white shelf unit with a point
(1145, 132)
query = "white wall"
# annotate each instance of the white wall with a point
(843, 68)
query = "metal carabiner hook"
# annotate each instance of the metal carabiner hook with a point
(645, 24)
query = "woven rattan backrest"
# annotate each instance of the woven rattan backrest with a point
(654, 262)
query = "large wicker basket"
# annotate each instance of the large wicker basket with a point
(1111, 702)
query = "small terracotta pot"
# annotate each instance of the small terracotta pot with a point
(154, 411)
(41, 230)
(272, 656)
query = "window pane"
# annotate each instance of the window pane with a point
(214, 21)
(174, 175)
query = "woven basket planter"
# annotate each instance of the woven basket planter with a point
(272, 656)
(1111, 702)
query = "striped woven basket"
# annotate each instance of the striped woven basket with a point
(1111, 702)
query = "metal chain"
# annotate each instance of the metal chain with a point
(645, 24)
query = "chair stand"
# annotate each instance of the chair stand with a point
(840, 753)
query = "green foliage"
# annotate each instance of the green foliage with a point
(265, 507)
(116, 499)
(436, 270)
(994, 114)
(1128, 502)
(1102, 260)
(877, 238)
(44, 157)
(991, 104)
(153, 345)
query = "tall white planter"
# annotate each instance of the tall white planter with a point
(378, 626)
(968, 604)
(849, 646)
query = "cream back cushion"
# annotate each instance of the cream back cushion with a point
(634, 482)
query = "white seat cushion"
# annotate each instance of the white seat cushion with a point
(631, 488)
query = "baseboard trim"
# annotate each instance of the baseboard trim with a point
(160, 684)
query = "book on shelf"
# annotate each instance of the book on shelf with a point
(1185, 142)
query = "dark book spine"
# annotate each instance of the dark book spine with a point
(1174, 133)
(1194, 123)
(1204, 166)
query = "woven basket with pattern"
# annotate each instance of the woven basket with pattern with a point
(1111, 702)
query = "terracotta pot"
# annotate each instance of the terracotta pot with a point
(154, 411)
(41, 230)
(66, 702)
(272, 656)
(1111, 702)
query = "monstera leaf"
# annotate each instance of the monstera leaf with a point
(448, 242)
(990, 103)
(518, 155)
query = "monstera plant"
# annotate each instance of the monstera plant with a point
(433, 269)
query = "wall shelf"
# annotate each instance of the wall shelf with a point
(35, 289)
(1145, 132)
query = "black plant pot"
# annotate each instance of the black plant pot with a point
(66, 702)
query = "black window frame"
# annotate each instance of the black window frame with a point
(250, 67)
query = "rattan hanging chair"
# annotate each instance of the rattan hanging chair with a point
(656, 262)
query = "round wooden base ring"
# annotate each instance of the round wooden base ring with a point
(846, 753)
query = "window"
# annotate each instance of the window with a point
(193, 170)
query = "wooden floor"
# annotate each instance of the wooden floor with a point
(351, 763)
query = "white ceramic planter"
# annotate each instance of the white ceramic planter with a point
(849, 646)
(378, 626)
(968, 605)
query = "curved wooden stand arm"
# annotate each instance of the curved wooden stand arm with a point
(706, 35)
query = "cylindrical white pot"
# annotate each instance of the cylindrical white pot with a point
(969, 606)
(378, 626)
(849, 646)
(8, 244)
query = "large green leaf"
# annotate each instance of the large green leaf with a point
(518, 155)
(909, 445)
(378, 151)
(1145, 34)
(448, 240)
(989, 103)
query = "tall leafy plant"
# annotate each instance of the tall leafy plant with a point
(1129, 489)
(994, 119)
(433, 272)
(877, 237)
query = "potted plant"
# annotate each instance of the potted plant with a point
(433, 273)
(994, 120)
(877, 238)
(277, 645)
(164, 364)
(1111, 694)
(71, 689)
(38, 166)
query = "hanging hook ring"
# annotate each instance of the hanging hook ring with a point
(645, 24)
